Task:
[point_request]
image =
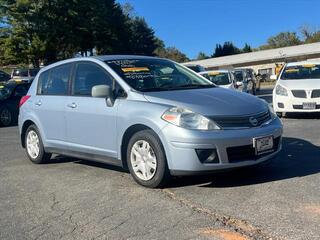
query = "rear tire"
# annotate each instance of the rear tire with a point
(34, 146)
(146, 159)
(6, 117)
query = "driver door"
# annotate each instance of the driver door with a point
(91, 124)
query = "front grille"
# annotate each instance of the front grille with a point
(243, 121)
(299, 93)
(301, 107)
(315, 93)
(247, 152)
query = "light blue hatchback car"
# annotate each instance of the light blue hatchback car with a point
(151, 115)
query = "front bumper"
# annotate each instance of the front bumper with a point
(180, 145)
(292, 104)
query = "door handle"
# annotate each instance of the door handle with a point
(38, 103)
(72, 105)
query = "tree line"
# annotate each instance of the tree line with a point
(282, 39)
(45, 31)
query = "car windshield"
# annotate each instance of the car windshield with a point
(218, 78)
(157, 75)
(306, 71)
(5, 92)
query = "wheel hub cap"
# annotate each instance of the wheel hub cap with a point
(143, 160)
(33, 144)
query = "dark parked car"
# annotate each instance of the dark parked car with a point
(26, 75)
(10, 95)
(4, 77)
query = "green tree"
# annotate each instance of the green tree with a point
(41, 30)
(142, 38)
(247, 48)
(283, 39)
(171, 53)
(227, 49)
(310, 36)
(202, 56)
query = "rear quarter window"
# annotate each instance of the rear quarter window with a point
(55, 81)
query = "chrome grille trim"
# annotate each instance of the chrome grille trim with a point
(238, 122)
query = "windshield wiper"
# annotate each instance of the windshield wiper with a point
(192, 86)
(154, 89)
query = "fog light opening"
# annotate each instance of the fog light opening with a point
(280, 105)
(207, 155)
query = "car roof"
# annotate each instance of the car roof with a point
(302, 63)
(220, 70)
(102, 58)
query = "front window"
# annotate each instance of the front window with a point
(306, 71)
(88, 75)
(157, 75)
(218, 78)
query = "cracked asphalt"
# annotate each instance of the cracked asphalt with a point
(73, 199)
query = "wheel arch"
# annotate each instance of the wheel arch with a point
(24, 128)
(129, 132)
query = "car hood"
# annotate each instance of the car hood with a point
(301, 84)
(210, 101)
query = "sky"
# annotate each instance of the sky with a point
(198, 25)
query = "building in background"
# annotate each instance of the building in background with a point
(264, 62)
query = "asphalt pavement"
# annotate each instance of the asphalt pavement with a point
(73, 199)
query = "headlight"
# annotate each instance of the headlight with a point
(281, 91)
(187, 119)
(272, 113)
(271, 110)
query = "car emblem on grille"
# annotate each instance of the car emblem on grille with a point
(309, 92)
(253, 121)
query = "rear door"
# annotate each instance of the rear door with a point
(91, 124)
(49, 103)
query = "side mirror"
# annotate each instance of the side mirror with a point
(103, 91)
(273, 77)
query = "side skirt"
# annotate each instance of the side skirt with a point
(86, 156)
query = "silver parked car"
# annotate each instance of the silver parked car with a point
(153, 116)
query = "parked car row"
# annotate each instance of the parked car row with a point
(242, 80)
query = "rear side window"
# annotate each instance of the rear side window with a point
(55, 81)
(88, 75)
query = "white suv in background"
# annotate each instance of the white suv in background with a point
(298, 88)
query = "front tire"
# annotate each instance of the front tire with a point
(146, 159)
(34, 146)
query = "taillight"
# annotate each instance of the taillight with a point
(23, 100)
